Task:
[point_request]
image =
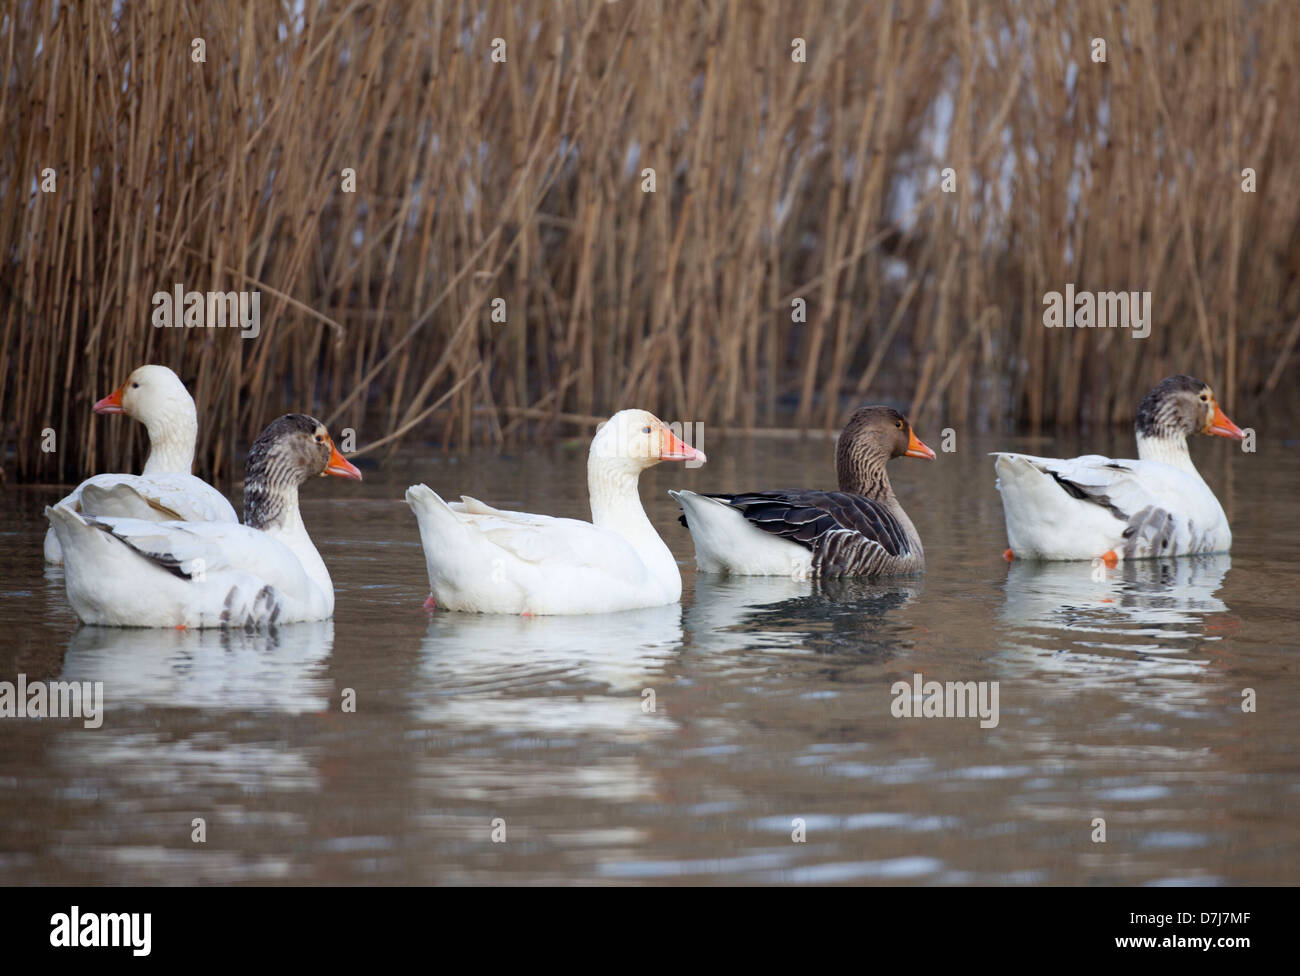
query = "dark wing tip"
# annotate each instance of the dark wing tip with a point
(166, 560)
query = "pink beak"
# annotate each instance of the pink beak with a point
(111, 403)
(676, 449)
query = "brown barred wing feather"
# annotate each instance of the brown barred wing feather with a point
(848, 534)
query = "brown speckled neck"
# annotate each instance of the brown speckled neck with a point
(282, 458)
(862, 471)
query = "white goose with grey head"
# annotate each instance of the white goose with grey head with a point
(165, 490)
(860, 530)
(1095, 507)
(127, 572)
(485, 560)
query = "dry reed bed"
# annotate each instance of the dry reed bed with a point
(522, 181)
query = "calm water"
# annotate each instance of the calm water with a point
(1119, 698)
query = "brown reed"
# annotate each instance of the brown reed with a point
(521, 181)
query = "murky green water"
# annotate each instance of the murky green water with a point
(1119, 699)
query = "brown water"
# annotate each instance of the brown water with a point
(1120, 698)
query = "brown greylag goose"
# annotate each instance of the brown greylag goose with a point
(860, 530)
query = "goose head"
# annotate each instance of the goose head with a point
(872, 437)
(156, 397)
(633, 440)
(1183, 405)
(149, 393)
(290, 450)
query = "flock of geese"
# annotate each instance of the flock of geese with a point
(165, 549)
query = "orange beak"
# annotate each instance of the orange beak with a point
(1221, 426)
(339, 465)
(676, 449)
(916, 449)
(111, 403)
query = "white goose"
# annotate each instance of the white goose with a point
(482, 559)
(127, 572)
(1094, 507)
(165, 490)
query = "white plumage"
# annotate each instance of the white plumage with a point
(727, 542)
(482, 559)
(1135, 509)
(129, 572)
(124, 572)
(1094, 507)
(165, 490)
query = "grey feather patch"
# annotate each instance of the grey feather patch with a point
(1150, 532)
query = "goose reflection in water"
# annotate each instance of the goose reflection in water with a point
(847, 615)
(280, 670)
(1149, 619)
(557, 675)
(149, 746)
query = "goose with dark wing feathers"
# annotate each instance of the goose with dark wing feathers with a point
(1095, 507)
(129, 572)
(860, 530)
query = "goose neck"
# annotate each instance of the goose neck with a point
(171, 441)
(613, 486)
(271, 494)
(616, 506)
(271, 505)
(864, 474)
(1169, 449)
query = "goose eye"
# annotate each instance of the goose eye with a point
(645, 430)
(320, 438)
(1205, 398)
(135, 386)
(898, 424)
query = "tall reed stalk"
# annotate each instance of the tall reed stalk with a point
(775, 181)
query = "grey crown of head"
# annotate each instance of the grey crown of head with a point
(1159, 413)
(282, 458)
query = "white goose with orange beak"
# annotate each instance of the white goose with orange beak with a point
(128, 572)
(1095, 507)
(484, 560)
(165, 489)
